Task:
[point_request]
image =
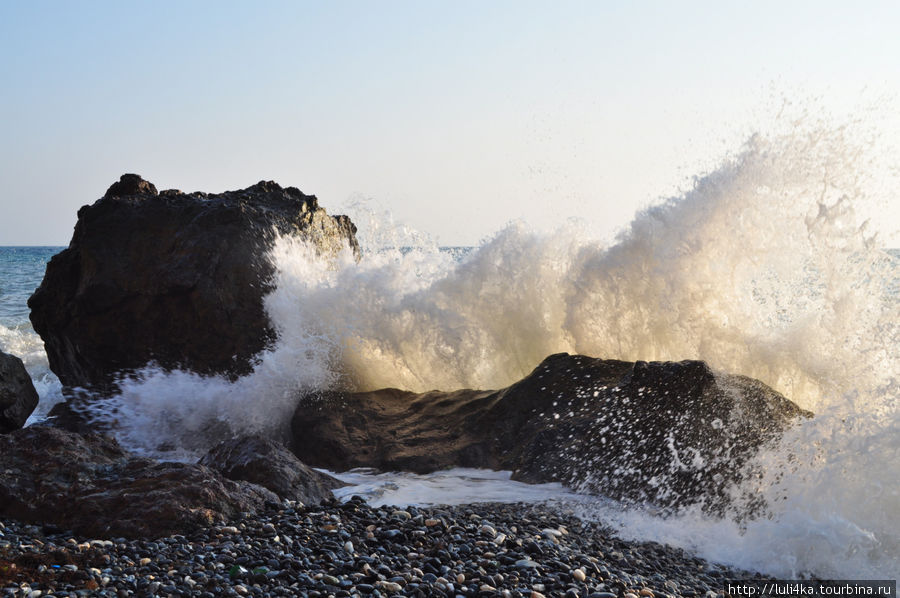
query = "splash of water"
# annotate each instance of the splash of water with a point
(762, 268)
(759, 269)
(25, 344)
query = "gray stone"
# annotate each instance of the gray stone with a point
(18, 398)
(271, 465)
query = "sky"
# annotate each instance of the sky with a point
(456, 116)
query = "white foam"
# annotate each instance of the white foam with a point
(450, 487)
(25, 344)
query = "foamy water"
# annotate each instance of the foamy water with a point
(22, 342)
(21, 271)
(763, 268)
(449, 487)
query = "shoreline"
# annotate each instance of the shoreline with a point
(353, 549)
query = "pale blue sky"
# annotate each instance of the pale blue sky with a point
(457, 116)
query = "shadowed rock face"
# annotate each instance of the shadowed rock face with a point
(90, 485)
(173, 278)
(271, 465)
(18, 398)
(664, 432)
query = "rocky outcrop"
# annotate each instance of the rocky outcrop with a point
(271, 465)
(664, 432)
(172, 278)
(18, 398)
(90, 485)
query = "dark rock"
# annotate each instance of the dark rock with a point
(392, 429)
(18, 398)
(271, 465)
(130, 184)
(89, 484)
(664, 432)
(183, 274)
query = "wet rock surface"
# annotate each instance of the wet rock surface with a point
(271, 465)
(18, 397)
(183, 274)
(671, 433)
(353, 549)
(89, 484)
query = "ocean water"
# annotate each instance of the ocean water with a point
(763, 267)
(21, 271)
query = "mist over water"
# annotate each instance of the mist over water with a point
(763, 268)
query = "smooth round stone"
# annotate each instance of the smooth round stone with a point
(551, 532)
(390, 586)
(579, 575)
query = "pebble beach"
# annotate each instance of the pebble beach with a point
(353, 549)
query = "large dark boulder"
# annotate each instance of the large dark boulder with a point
(271, 465)
(18, 398)
(173, 278)
(664, 432)
(90, 485)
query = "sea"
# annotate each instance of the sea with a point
(764, 266)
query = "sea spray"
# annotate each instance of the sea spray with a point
(762, 268)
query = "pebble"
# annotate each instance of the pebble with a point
(352, 549)
(487, 530)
